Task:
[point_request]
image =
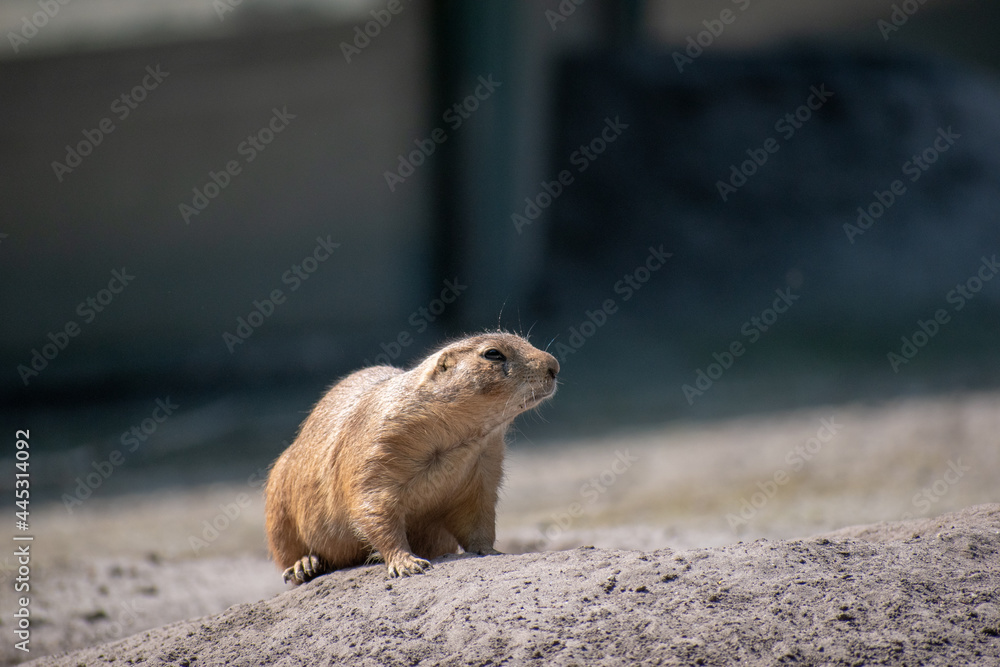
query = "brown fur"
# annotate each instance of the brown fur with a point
(407, 464)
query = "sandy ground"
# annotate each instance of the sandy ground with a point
(116, 567)
(921, 592)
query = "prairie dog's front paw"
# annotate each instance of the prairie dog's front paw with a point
(406, 564)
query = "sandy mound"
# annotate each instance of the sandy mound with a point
(917, 592)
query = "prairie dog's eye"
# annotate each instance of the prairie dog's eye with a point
(494, 354)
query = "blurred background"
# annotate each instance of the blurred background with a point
(723, 218)
(362, 98)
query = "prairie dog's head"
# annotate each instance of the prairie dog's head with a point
(492, 371)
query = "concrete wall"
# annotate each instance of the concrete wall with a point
(321, 176)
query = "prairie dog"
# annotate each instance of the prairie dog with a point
(405, 464)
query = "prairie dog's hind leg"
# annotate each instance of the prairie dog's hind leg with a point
(433, 541)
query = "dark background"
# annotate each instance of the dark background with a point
(324, 176)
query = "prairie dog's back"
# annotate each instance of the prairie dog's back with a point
(324, 443)
(340, 410)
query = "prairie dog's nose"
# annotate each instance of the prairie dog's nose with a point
(552, 366)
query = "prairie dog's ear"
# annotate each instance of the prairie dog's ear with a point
(445, 361)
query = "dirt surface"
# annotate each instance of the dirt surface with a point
(126, 562)
(923, 592)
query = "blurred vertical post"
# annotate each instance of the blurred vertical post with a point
(627, 18)
(502, 154)
(475, 171)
